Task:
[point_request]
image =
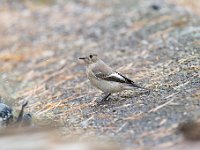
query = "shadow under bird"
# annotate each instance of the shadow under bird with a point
(105, 78)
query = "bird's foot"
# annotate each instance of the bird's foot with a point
(104, 100)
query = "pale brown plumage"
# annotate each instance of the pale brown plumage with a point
(105, 78)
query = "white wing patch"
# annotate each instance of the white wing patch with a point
(116, 75)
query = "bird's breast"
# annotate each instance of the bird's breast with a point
(106, 86)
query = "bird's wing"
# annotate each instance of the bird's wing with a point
(117, 77)
(105, 72)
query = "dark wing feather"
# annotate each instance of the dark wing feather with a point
(128, 81)
(104, 72)
(117, 77)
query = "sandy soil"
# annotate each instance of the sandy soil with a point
(158, 47)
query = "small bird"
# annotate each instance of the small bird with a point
(105, 78)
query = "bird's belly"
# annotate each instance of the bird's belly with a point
(107, 86)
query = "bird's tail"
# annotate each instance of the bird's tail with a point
(132, 84)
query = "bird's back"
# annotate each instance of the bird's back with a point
(101, 67)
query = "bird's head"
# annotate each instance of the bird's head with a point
(92, 58)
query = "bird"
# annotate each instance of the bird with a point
(103, 77)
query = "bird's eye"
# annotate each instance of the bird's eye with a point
(90, 56)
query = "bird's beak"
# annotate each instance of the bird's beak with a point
(82, 58)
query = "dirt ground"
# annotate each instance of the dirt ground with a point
(155, 43)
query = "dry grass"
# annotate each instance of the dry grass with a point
(40, 57)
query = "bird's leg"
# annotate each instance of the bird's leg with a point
(105, 97)
(103, 100)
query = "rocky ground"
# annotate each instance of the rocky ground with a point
(155, 43)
